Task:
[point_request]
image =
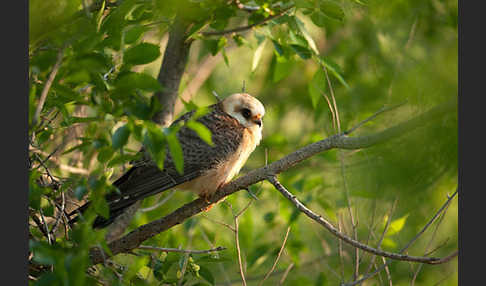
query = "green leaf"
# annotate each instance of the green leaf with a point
(278, 47)
(303, 52)
(105, 154)
(130, 81)
(397, 225)
(120, 137)
(215, 46)
(80, 191)
(140, 54)
(335, 70)
(239, 40)
(155, 142)
(319, 19)
(136, 264)
(101, 207)
(121, 159)
(202, 131)
(282, 69)
(257, 56)
(195, 29)
(175, 150)
(317, 86)
(78, 77)
(304, 4)
(134, 33)
(301, 27)
(331, 10)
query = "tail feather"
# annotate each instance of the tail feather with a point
(115, 210)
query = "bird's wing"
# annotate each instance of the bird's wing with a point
(146, 179)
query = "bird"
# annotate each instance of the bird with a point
(236, 128)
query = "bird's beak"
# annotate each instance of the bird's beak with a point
(257, 119)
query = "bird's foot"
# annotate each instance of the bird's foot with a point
(206, 197)
(206, 209)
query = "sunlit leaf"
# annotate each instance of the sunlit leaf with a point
(257, 56)
(202, 131)
(397, 225)
(175, 150)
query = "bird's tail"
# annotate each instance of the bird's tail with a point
(114, 211)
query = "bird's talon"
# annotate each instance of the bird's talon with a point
(206, 209)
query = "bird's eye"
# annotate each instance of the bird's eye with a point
(246, 113)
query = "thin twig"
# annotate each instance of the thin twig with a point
(238, 250)
(248, 27)
(439, 261)
(343, 175)
(382, 110)
(61, 212)
(49, 239)
(151, 208)
(387, 271)
(340, 248)
(278, 257)
(378, 245)
(39, 225)
(427, 252)
(219, 222)
(396, 256)
(47, 86)
(149, 247)
(333, 116)
(286, 273)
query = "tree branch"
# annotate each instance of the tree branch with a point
(341, 235)
(137, 236)
(276, 259)
(171, 71)
(149, 247)
(248, 27)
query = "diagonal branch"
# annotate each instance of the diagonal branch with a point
(344, 237)
(276, 259)
(134, 238)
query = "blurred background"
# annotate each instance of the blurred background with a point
(377, 54)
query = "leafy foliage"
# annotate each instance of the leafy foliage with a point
(361, 54)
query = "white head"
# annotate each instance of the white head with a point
(244, 108)
(247, 110)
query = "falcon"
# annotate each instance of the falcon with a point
(236, 129)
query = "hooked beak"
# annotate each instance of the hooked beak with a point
(257, 119)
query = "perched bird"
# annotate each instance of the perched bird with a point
(236, 128)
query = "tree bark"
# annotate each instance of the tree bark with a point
(171, 71)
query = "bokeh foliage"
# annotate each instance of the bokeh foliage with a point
(97, 114)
